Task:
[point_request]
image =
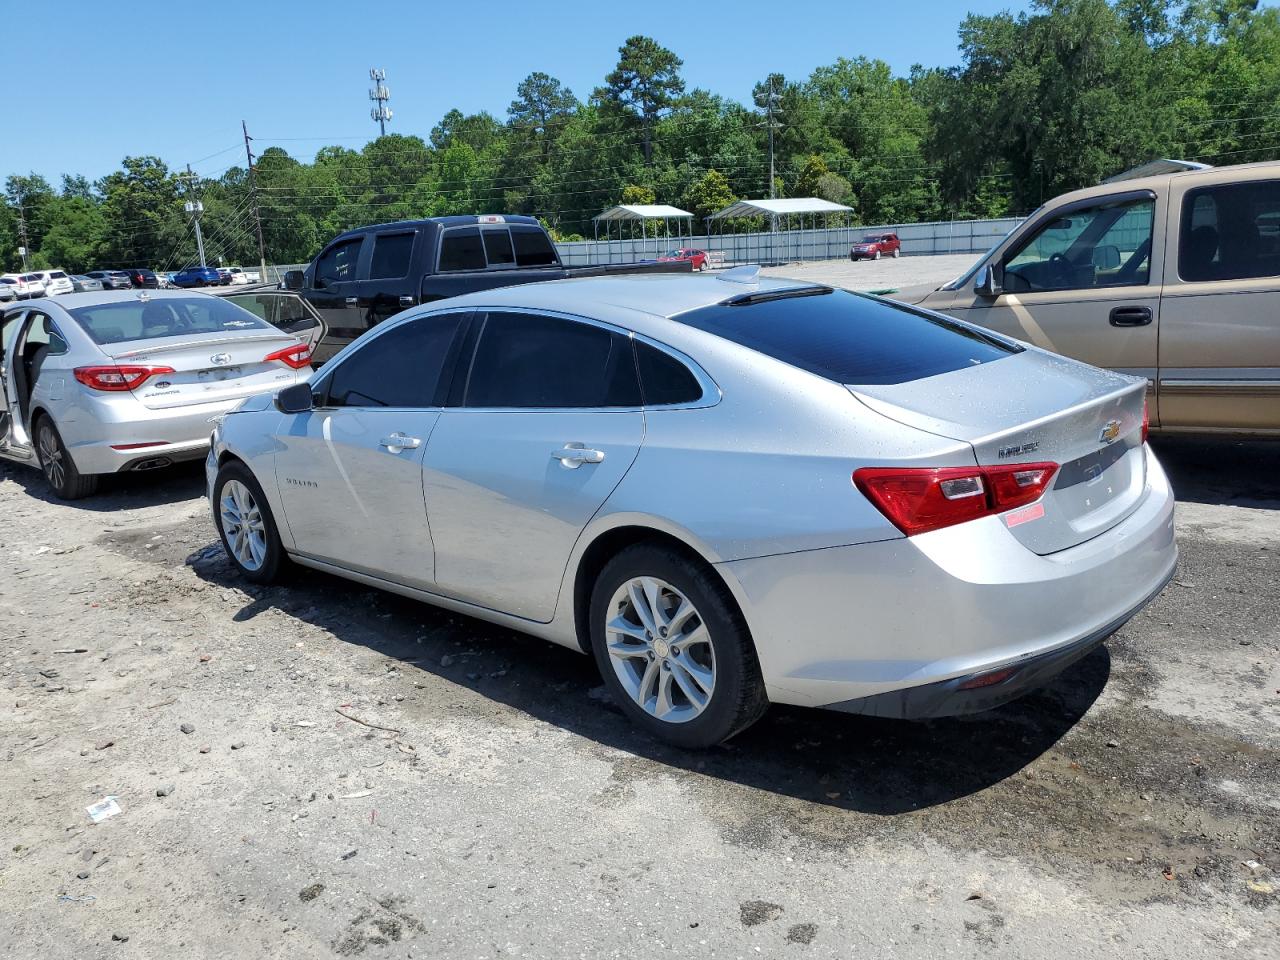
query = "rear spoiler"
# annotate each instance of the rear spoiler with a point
(180, 344)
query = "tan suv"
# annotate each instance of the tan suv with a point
(1173, 277)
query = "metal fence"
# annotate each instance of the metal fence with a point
(782, 246)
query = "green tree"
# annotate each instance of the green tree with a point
(707, 195)
(644, 84)
(541, 104)
(637, 195)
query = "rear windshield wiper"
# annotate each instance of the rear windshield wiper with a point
(786, 293)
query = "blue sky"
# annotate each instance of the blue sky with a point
(176, 80)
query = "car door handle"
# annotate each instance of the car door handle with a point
(1130, 316)
(398, 441)
(575, 455)
(406, 301)
(352, 301)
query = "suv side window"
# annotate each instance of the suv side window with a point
(1230, 232)
(1104, 246)
(528, 360)
(392, 253)
(338, 263)
(461, 249)
(399, 368)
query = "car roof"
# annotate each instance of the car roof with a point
(1211, 175)
(457, 220)
(657, 295)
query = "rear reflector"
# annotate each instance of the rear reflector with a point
(981, 680)
(920, 499)
(296, 356)
(118, 377)
(1146, 420)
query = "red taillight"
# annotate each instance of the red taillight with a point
(296, 356)
(920, 499)
(1146, 420)
(120, 377)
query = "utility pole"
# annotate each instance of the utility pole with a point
(195, 208)
(380, 95)
(253, 194)
(770, 108)
(22, 231)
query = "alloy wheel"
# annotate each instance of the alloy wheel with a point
(242, 525)
(55, 471)
(660, 649)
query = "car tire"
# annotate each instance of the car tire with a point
(252, 545)
(59, 470)
(877, 255)
(712, 656)
(897, 254)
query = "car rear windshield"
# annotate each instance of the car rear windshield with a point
(125, 320)
(847, 337)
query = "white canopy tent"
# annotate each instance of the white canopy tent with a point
(790, 209)
(645, 213)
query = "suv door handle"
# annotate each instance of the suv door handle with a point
(351, 301)
(398, 441)
(575, 455)
(1130, 316)
(406, 301)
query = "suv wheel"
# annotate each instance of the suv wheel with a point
(877, 255)
(673, 648)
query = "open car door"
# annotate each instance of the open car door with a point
(285, 310)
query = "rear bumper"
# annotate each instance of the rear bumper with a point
(843, 626)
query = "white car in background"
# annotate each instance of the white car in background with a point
(237, 275)
(55, 282)
(8, 289)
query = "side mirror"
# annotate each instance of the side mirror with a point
(990, 281)
(293, 280)
(295, 399)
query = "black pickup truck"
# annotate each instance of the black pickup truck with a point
(371, 273)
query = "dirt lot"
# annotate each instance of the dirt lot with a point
(491, 804)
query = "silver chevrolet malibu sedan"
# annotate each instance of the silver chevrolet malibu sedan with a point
(731, 491)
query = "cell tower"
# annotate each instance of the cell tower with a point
(380, 95)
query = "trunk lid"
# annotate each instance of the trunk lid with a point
(207, 368)
(1036, 407)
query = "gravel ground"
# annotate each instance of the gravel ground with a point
(878, 274)
(322, 769)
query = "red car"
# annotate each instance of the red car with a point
(876, 245)
(697, 257)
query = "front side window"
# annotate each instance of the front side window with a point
(461, 250)
(399, 368)
(392, 253)
(1230, 232)
(338, 263)
(1104, 246)
(529, 360)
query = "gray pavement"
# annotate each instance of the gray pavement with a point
(877, 274)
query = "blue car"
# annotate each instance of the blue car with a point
(197, 277)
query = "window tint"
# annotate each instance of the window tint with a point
(461, 250)
(526, 360)
(497, 248)
(663, 378)
(338, 263)
(124, 320)
(1104, 246)
(400, 368)
(850, 338)
(1230, 232)
(533, 248)
(391, 254)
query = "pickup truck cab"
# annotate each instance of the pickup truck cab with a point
(372, 273)
(1173, 277)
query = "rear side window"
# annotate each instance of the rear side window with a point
(497, 248)
(338, 263)
(528, 360)
(391, 256)
(400, 368)
(461, 250)
(664, 380)
(849, 338)
(1230, 232)
(533, 248)
(125, 320)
